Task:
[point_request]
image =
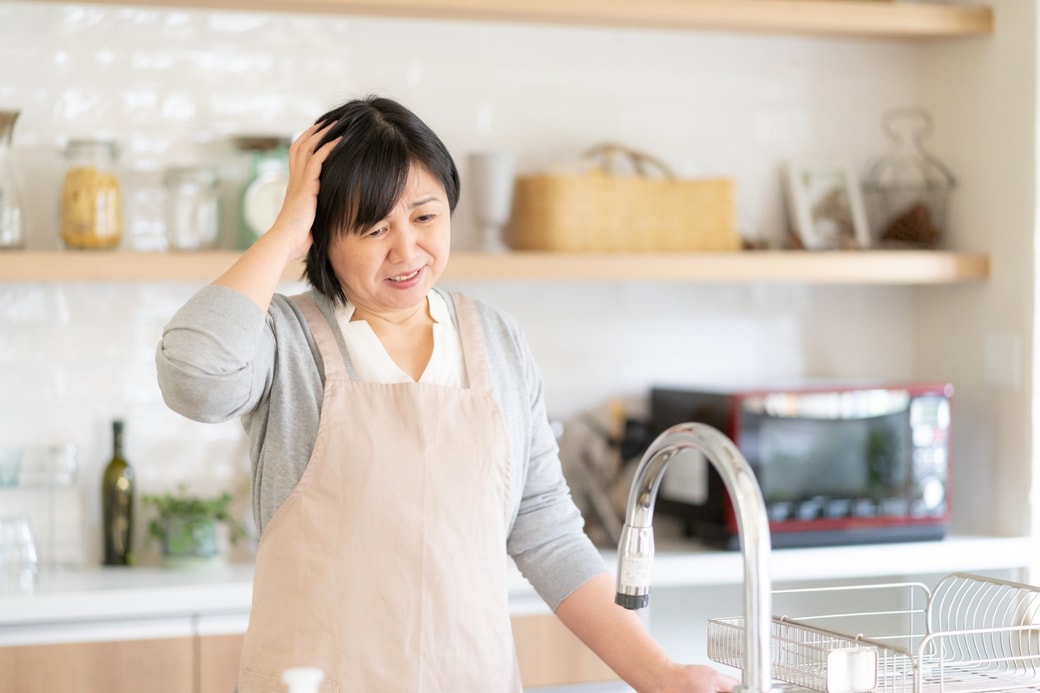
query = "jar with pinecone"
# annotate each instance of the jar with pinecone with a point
(906, 190)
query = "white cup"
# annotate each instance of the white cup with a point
(491, 176)
(10, 466)
(18, 561)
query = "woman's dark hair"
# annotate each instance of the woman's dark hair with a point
(365, 175)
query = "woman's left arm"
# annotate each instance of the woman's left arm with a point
(620, 639)
(557, 557)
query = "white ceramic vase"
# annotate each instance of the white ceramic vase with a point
(491, 176)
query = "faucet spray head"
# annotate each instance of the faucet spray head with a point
(635, 563)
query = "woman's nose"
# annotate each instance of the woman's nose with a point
(404, 243)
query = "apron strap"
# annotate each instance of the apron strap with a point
(472, 335)
(335, 366)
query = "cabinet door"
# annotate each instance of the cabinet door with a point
(218, 662)
(550, 655)
(133, 666)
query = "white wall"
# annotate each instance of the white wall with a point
(985, 91)
(170, 84)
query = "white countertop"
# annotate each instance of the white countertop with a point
(686, 563)
(108, 593)
(158, 595)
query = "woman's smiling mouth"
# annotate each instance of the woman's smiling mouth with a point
(406, 277)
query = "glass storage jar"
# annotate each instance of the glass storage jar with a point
(91, 196)
(264, 190)
(192, 208)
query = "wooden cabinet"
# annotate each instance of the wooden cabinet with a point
(197, 664)
(217, 661)
(548, 653)
(158, 666)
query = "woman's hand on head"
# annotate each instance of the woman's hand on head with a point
(258, 270)
(296, 216)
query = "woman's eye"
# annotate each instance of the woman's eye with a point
(424, 218)
(376, 232)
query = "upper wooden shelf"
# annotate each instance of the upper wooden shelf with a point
(862, 18)
(831, 267)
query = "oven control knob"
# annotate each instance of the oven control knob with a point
(780, 511)
(864, 507)
(810, 509)
(838, 508)
(933, 493)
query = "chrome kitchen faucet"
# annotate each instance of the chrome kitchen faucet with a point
(636, 546)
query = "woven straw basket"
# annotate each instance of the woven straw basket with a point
(599, 211)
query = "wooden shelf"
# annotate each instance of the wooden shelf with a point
(831, 267)
(861, 18)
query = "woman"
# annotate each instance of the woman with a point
(399, 438)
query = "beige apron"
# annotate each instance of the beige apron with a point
(386, 566)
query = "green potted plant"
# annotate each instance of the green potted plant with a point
(187, 526)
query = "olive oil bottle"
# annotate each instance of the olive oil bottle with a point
(117, 503)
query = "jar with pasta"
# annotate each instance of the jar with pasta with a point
(91, 197)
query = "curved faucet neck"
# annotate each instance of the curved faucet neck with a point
(635, 549)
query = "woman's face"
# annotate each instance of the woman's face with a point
(391, 266)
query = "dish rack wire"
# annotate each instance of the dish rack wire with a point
(971, 633)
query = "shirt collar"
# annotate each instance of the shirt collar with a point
(438, 309)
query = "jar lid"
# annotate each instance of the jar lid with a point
(90, 145)
(260, 143)
(197, 175)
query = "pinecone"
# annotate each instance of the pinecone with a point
(913, 227)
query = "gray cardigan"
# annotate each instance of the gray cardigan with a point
(220, 357)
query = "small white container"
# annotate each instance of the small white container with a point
(303, 679)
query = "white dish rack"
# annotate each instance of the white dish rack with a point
(970, 633)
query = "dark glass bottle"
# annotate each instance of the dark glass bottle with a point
(117, 502)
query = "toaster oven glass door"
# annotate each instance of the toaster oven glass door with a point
(801, 459)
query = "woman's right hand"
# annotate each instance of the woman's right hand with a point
(258, 270)
(300, 205)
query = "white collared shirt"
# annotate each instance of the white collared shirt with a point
(374, 365)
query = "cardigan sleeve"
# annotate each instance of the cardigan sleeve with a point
(215, 357)
(547, 538)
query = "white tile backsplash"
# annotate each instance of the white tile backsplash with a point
(171, 85)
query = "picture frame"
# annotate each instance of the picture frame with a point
(825, 205)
